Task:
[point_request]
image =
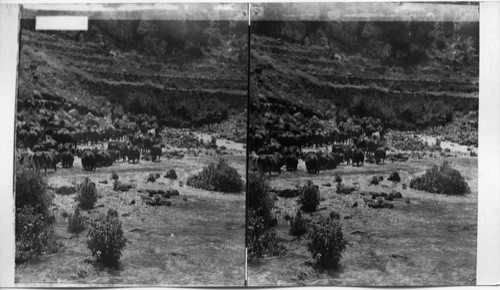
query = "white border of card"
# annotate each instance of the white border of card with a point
(488, 252)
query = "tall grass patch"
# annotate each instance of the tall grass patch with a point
(217, 177)
(441, 179)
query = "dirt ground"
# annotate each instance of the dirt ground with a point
(198, 240)
(425, 240)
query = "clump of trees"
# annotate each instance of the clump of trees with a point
(441, 179)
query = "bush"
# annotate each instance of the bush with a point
(151, 178)
(76, 223)
(87, 194)
(262, 240)
(259, 199)
(106, 240)
(345, 189)
(309, 197)
(297, 225)
(441, 179)
(327, 242)
(31, 190)
(34, 235)
(217, 177)
(114, 176)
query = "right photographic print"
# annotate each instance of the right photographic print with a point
(362, 144)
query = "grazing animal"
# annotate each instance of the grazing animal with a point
(103, 158)
(44, 159)
(67, 159)
(312, 163)
(120, 146)
(358, 157)
(134, 154)
(269, 163)
(88, 160)
(155, 152)
(380, 154)
(291, 162)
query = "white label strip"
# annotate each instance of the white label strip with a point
(62, 22)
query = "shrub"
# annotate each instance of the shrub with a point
(259, 199)
(151, 178)
(217, 177)
(309, 197)
(114, 176)
(76, 223)
(31, 190)
(34, 235)
(261, 239)
(298, 225)
(441, 179)
(87, 194)
(327, 242)
(106, 239)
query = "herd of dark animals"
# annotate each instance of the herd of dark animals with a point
(273, 156)
(48, 140)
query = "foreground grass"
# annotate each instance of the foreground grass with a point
(431, 241)
(195, 242)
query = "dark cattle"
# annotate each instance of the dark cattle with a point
(134, 154)
(120, 146)
(88, 160)
(380, 154)
(63, 136)
(358, 157)
(155, 152)
(67, 159)
(345, 150)
(312, 163)
(26, 158)
(103, 158)
(38, 148)
(44, 159)
(269, 163)
(327, 161)
(291, 162)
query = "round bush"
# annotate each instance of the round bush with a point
(217, 177)
(309, 197)
(327, 242)
(87, 194)
(106, 240)
(441, 179)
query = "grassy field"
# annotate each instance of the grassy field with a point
(429, 241)
(198, 240)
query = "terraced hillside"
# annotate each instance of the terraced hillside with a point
(183, 88)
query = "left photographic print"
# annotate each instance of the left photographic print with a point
(130, 159)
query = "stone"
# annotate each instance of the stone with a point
(65, 190)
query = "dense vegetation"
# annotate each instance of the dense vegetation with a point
(441, 179)
(217, 177)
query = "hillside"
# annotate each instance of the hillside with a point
(137, 67)
(400, 75)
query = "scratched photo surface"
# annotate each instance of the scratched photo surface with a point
(363, 144)
(130, 146)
